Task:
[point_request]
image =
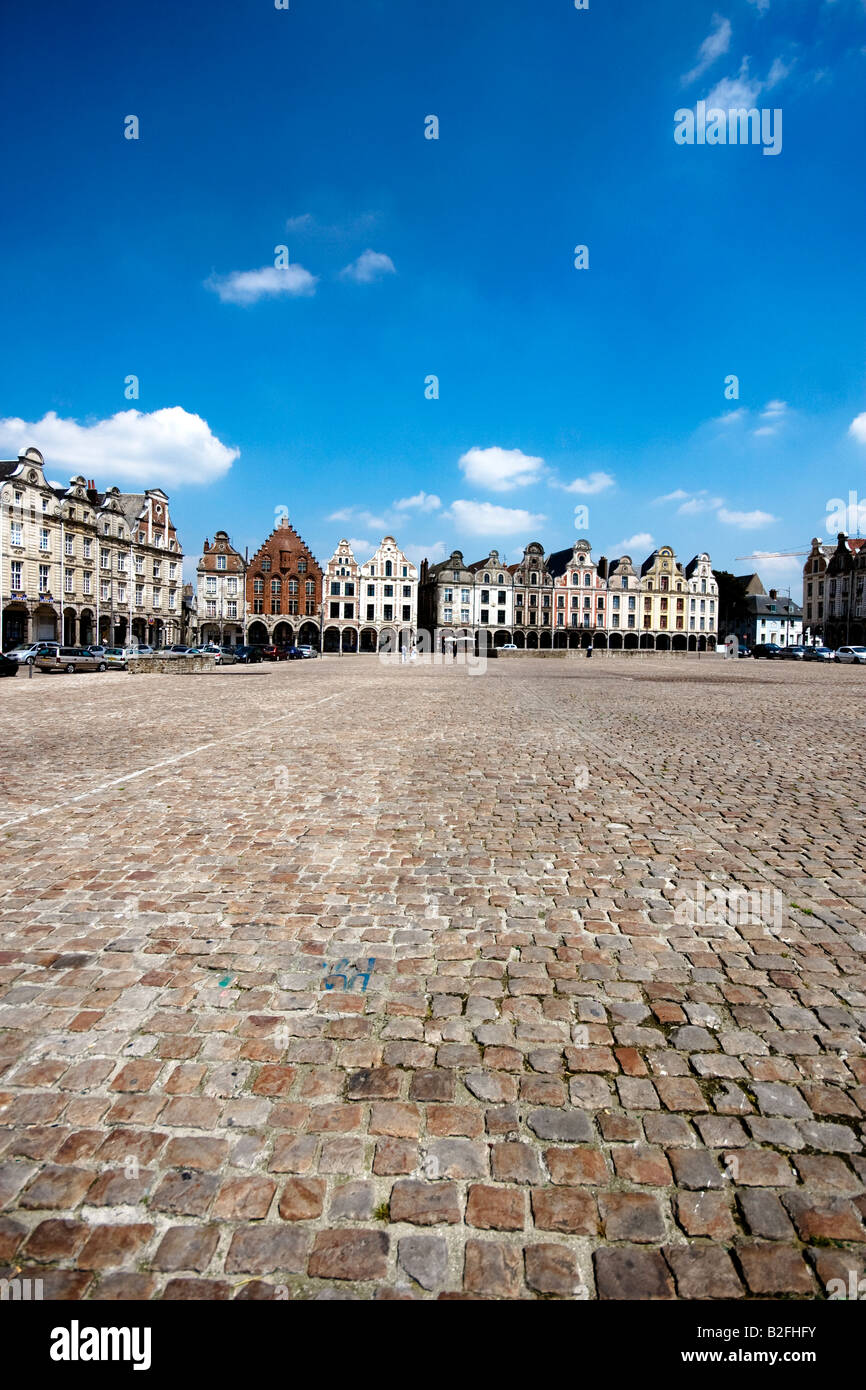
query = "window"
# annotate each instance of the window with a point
(156, 569)
(448, 615)
(449, 595)
(16, 533)
(231, 587)
(485, 615)
(560, 600)
(310, 607)
(500, 597)
(45, 504)
(105, 591)
(43, 538)
(87, 548)
(348, 610)
(17, 582)
(139, 564)
(157, 598)
(407, 590)
(309, 589)
(389, 569)
(335, 610)
(485, 595)
(266, 563)
(68, 581)
(106, 529)
(221, 562)
(121, 561)
(455, 574)
(210, 584)
(44, 579)
(68, 545)
(87, 582)
(464, 615)
(464, 595)
(405, 571)
(587, 578)
(349, 587)
(231, 607)
(545, 600)
(302, 567)
(172, 600)
(276, 586)
(18, 498)
(625, 581)
(121, 593)
(294, 587)
(139, 595)
(258, 586)
(210, 608)
(172, 574)
(615, 602)
(487, 579)
(575, 579)
(389, 612)
(500, 615)
(614, 622)
(371, 612)
(389, 591)
(105, 559)
(407, 612)
(335, 586)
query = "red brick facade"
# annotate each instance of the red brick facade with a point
(284, 590)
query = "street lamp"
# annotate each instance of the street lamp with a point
(321, 628)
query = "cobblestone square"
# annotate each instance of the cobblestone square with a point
(337, 979)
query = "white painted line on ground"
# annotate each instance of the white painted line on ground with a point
(154, 767)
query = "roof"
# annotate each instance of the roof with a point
(559, 561)
(782, 606)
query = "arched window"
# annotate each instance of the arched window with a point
(389, 569)
(499, 579)
(276, 586)
(293, 586)
(575, 579)
(310, 587)
(487, 579)
(258, 586)
(533, 579)
(266, 562)
(587, 578)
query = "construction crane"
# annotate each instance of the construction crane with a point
(774, 554)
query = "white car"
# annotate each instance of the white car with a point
(307, 651)
(853, 655)
(27, 655)
(509, 647)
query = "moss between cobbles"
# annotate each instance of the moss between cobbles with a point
(382, 1212)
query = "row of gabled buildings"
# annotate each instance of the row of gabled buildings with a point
(563, 599)
(79, 565)
(834, 591)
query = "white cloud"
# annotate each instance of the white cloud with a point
(700, 502)
(269, 282)
(747, 521)
(500, 470)
(773, 410)
(486, 519)
(361, 549)
(730, 417)
(777, 566)
(778, 72)
(434, 552)
(676, 496)
(733, 92)
(857, 428)
(760, 5)
(596, 482)
(635, 545)
(764, 430)
(420, 501)
(368, 519)
(717, 42)
(369, 267)
(166, 447)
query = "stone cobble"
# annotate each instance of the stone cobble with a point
(347, 980)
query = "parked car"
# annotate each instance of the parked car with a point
(27, 655)
(793, 653)
(223, 656)
(269, 652)
(248, 655)
(852, 655)
(509, 647)
(291, 653)
(770, 650)
(70, 660)
(117, 657)
(96, 648)
(144, 649)
(818, 654)
(8, 667)
(307, 651)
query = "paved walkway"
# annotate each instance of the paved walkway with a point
(336, 980)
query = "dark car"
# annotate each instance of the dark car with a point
(770, 650)
(793, 653)
(8, 666)
(818, 654)
(248, 655)
(291, 654)
(270, 652)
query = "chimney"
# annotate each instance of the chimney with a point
(773, 593)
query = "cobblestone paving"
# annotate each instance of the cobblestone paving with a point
(551, 1086)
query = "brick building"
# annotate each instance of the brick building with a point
(284, 591)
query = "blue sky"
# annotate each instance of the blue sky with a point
(304, 386)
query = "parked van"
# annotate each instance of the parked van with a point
(70, 660)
